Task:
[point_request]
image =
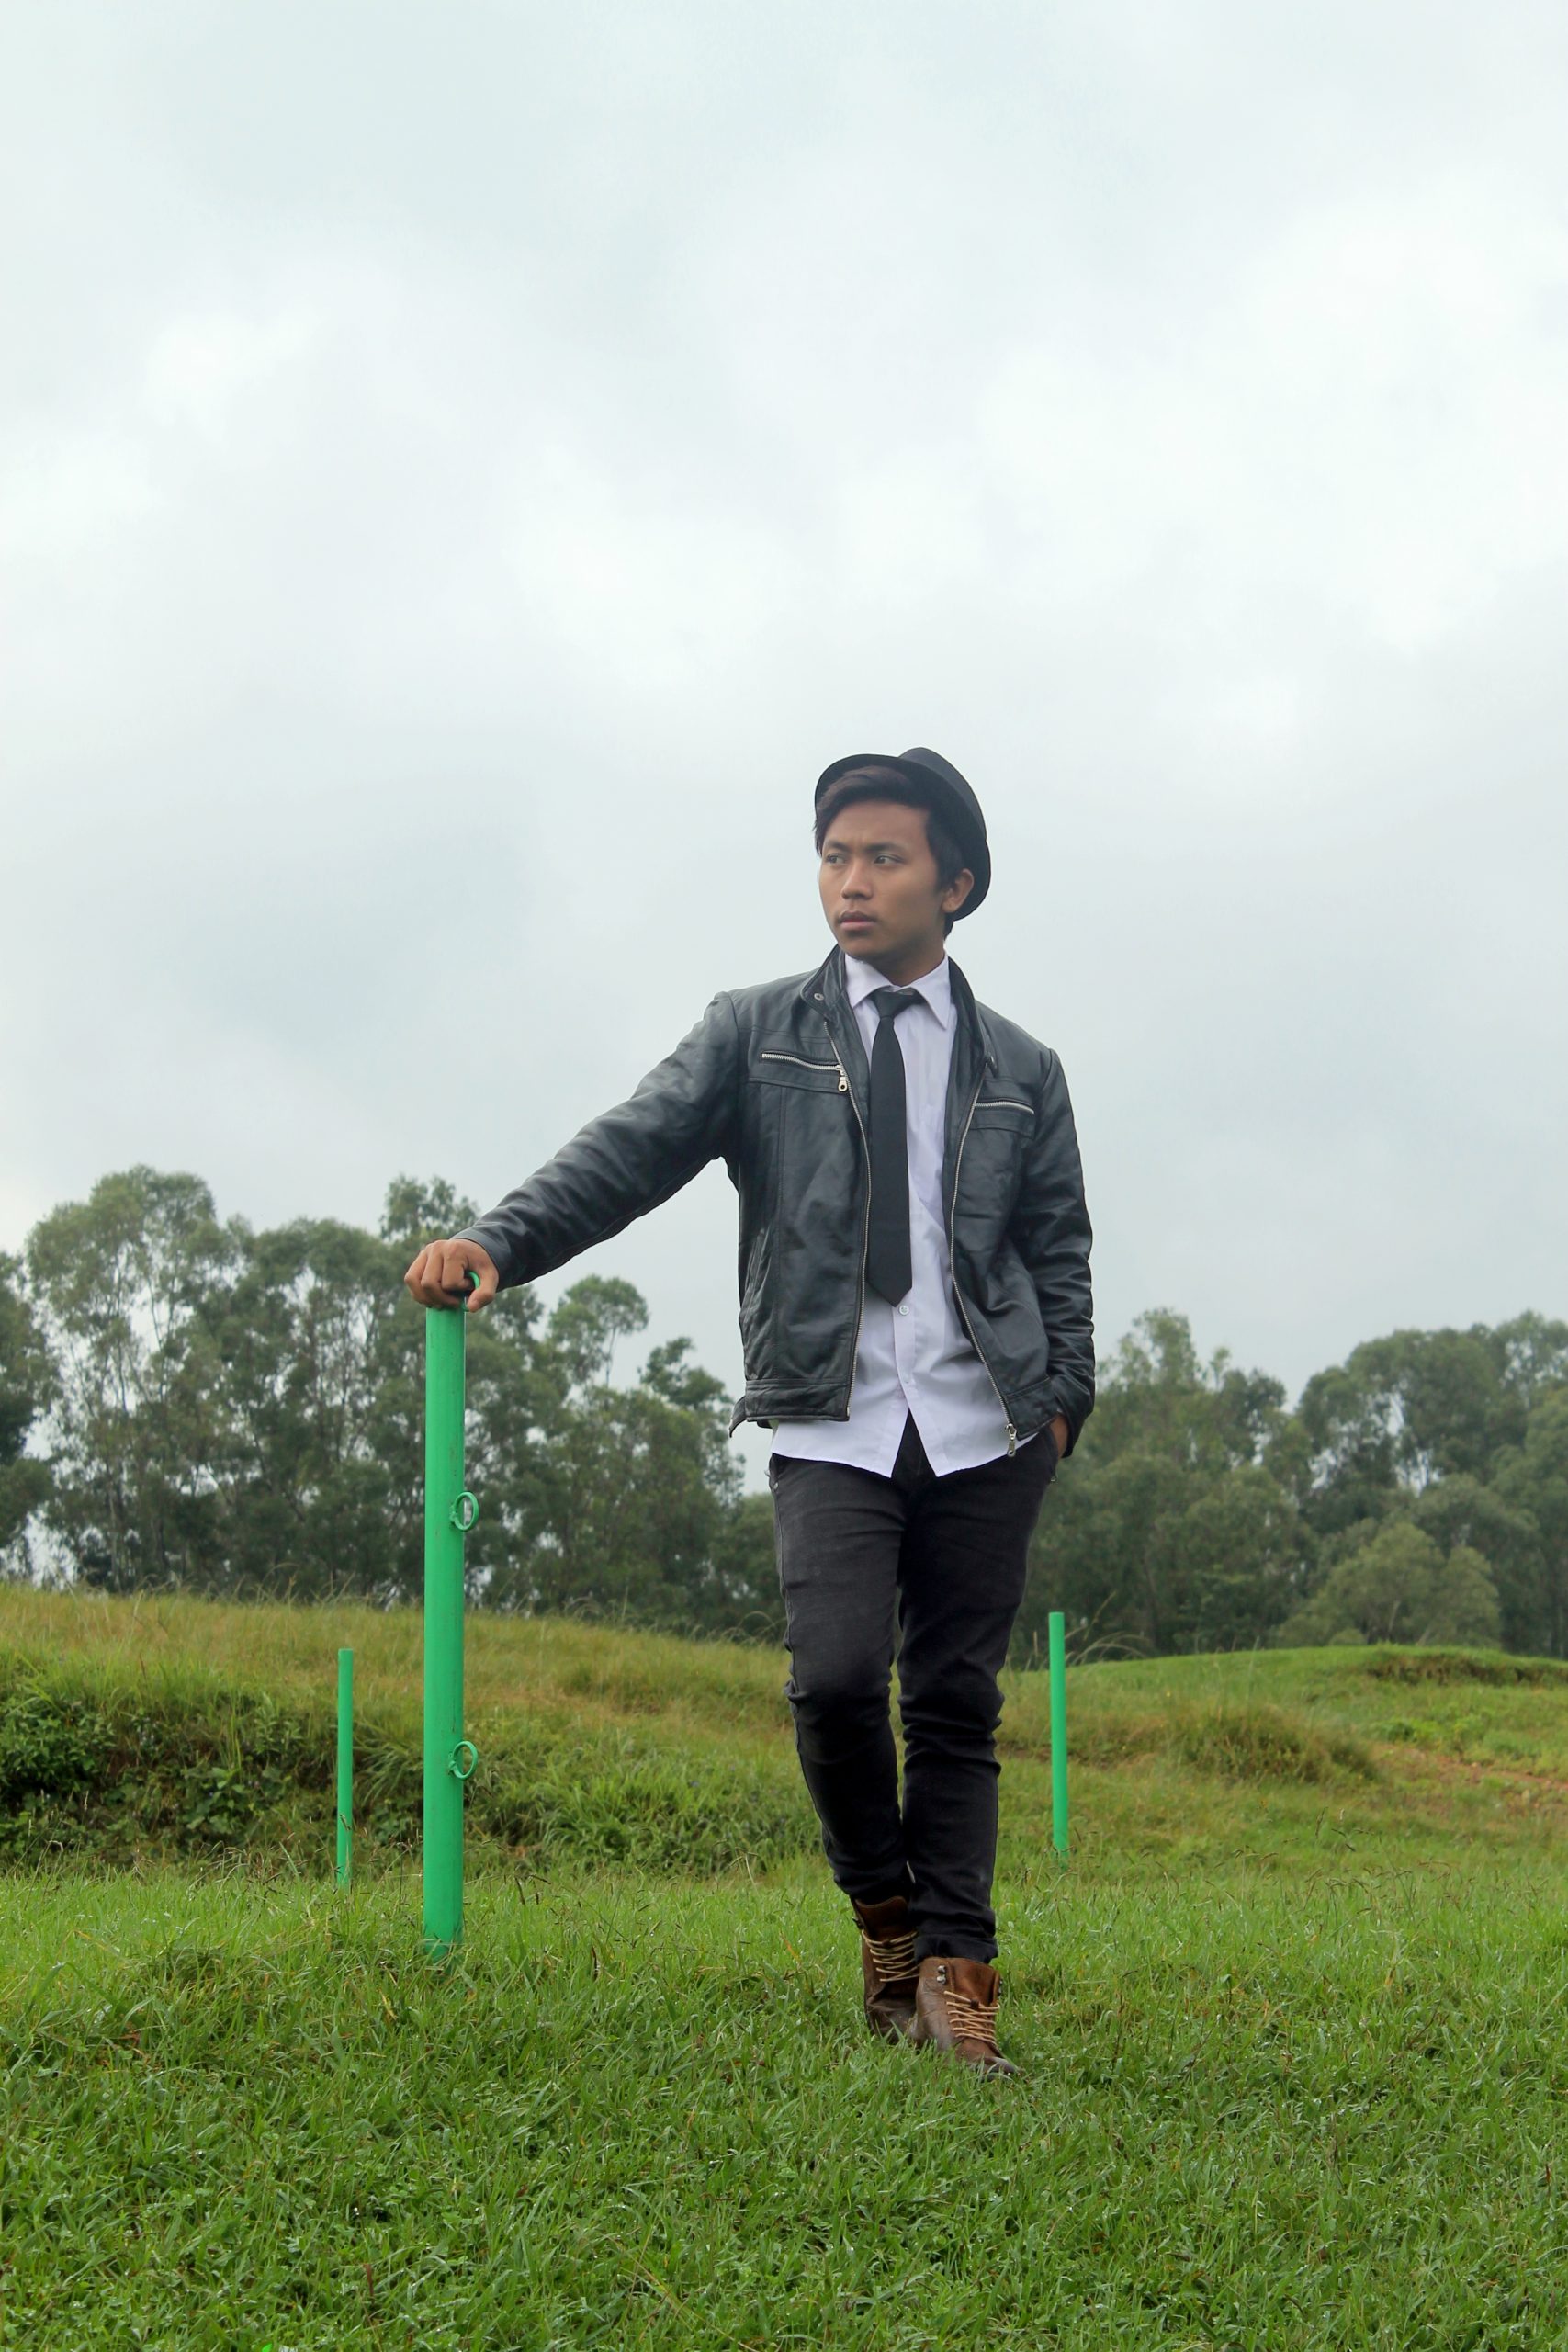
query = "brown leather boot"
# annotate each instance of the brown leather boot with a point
(887, 1965)
(955, 2010)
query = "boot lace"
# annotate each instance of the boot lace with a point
(892, 1956)
(971, 2021)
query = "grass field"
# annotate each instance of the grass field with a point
(1294, 2021)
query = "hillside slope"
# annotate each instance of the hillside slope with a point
(169, 1726)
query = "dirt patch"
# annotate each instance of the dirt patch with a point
(1463, 1666)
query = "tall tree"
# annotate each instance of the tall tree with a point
(1157, 1397)
(1531, 1354)
(628, 1495)
(1532, 1479)
(320, 1461)
(1169, 1530)
(1397, 1587)
(1460, 1513)
(26, 1386)
(1402, 1411)
(127, 1282)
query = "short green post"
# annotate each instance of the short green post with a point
(345, 1767)
(1058, 1633)
(449, 1511)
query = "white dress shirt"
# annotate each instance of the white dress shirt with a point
(917, 1357)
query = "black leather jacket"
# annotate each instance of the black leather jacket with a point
(774, 1080)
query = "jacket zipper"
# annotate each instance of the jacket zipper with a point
(865, 1230)
(1001, 1103)
(957, 1164)
(801, 1063)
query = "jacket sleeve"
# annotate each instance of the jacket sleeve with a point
(1051, 1230)
(624, 1162)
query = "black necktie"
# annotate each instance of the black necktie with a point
(887, 1244)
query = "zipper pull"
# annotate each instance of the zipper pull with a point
(1013, 1441)
(844, 1081)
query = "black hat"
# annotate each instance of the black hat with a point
(945, 791)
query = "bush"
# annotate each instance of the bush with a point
(46, 1747)
(1398, 1587)
(1265, 1743)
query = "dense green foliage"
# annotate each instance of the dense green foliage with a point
(1417, 1492)
(238, 1413)
(234, 1412)
(25, 1394)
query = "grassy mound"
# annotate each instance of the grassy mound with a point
(179, 1729)
(196, 1765)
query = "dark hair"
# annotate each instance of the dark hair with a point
(890, 784)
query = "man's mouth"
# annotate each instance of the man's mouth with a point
(852, 923)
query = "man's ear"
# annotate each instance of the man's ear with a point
(957, 890)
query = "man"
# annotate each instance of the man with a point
(915, 1314)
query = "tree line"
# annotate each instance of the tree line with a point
(185, 1401)
(1417, 1492)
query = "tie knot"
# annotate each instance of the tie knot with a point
(890, 1002)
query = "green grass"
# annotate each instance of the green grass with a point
(184, 1730)
(1294, 2022)
(1323, 2113)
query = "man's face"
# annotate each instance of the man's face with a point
(879, 886)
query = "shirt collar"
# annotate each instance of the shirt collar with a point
(936, 985)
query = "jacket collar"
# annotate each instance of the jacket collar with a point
(933, 987)
(826, 988)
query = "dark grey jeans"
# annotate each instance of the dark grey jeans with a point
(931, 1569)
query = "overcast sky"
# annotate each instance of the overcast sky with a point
(466, 469)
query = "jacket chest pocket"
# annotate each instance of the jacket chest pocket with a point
(775, 1066)
(992, 1172)
(801, 1133)
(1007, 1114)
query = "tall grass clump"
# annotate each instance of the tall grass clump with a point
(1256, 1741)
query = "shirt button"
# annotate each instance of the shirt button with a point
(903, 1310)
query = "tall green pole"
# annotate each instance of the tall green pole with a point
(345, 1767)
(449, 1511)
(1058, 1633)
